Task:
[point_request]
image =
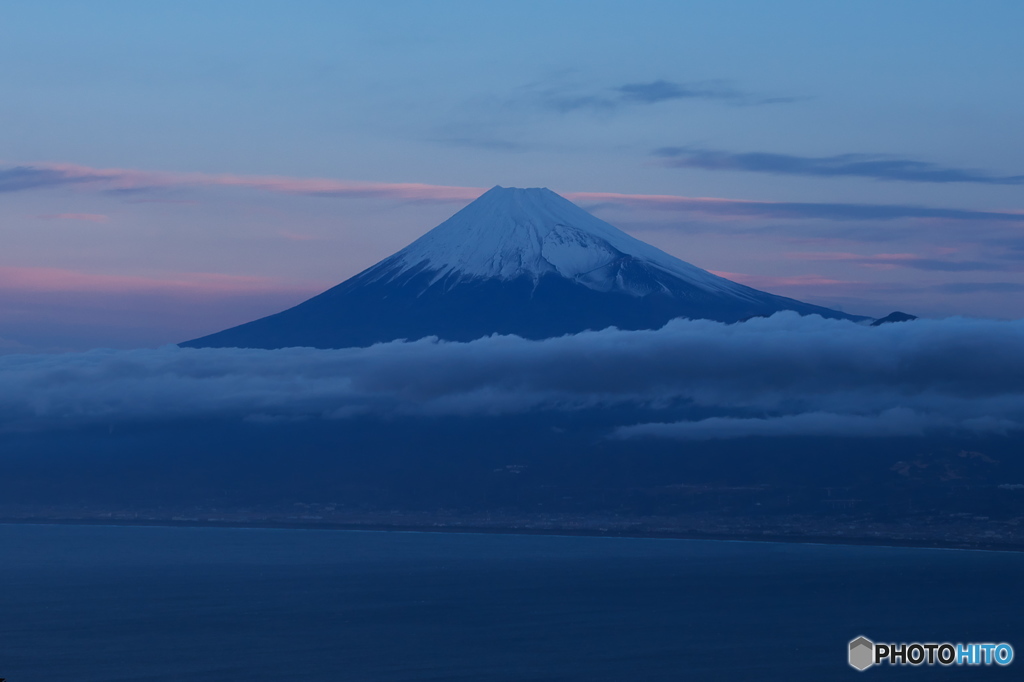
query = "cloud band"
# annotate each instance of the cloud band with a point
(783, 375)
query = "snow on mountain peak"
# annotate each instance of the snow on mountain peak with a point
(510, 232)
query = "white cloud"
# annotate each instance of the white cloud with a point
(784, 375)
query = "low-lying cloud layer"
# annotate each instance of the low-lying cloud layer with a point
(783, 375)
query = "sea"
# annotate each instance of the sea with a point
(149, 604)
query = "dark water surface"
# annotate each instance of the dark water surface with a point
(82, 603)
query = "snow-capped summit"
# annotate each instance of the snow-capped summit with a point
(514, 261)
(510, 232)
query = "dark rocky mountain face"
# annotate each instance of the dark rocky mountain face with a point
(896, 316)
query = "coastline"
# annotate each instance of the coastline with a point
(765, 536)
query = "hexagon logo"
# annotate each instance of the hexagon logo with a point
(862, 653)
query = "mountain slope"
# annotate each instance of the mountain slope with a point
(515, 261)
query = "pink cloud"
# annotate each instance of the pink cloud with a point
(72, 175)
(878, 261)
(184, 202)
(131, 179)
(891, 261)
(61, 280)
(857, 257)
(88, 217)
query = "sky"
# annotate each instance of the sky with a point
(168, 170)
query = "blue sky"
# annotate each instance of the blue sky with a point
(869, 153)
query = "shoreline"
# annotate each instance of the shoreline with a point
(764, 537)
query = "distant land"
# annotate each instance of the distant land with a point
(531, 474)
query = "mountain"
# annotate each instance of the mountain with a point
(895, 316)
(515, 261)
